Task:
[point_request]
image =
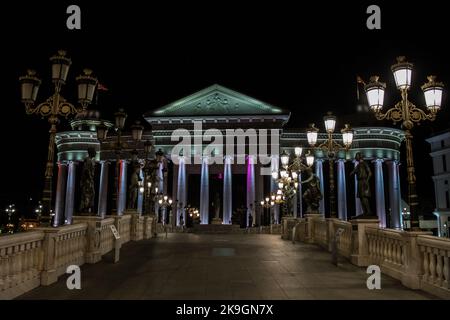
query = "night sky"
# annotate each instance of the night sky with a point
(149, 53)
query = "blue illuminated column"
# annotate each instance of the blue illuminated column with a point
(204, 191)
(300, 195)
(227, 191)
(122, 187)
(103, 189)
(295, 203)
(250, 189)
(60, 193)
(70, 192)
(319, 174)
(341, 190)
(273, 188)
(379, 192)
(394, 195)
(160, 178)
(140, 199)
(358, 207)
(181, 191)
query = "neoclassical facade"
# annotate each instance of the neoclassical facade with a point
(220, 147)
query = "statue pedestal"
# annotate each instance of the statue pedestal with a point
(288, 223)
(216, 220)
(360, 255)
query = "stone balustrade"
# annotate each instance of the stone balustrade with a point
(418, 259)
(435, 254)
(39, 257)
(21, 259)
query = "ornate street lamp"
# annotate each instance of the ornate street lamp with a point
(266, 204)
(408, 114)
(54, 107)
(288, 176)
(330, 147)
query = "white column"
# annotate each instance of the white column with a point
(227, 191)
(341, 190)
(204, 191)
(250, 188)
(140, 198)
(358, 207)
(295, 203)
(319, 174)
(273, 188)
(300, 195)
(379, 192)
(70, 192)
(60, 194)
(394, 195)
(161, 177)
(122, 187)
(103, 189)
(181, 189)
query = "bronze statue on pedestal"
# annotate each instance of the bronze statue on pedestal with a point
(87, 185)
(312, 195)
(363, 175)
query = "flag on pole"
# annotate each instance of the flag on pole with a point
(101, 87)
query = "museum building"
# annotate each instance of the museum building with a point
(222, 185)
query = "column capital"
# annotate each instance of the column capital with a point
(319, 160)
(378, 160)
(341, 160)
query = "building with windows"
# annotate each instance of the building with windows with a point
(440, 154)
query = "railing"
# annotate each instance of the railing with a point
(418, 259)
(344, 244)
(320, 232)
(435, 254)
(20, 263)
(106, 236)
(386, 246)
(125, 228)
(70, 247)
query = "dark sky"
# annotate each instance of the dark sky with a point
(303, 57)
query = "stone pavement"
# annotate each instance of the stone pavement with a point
(230, 266)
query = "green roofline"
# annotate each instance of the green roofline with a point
(226, 102)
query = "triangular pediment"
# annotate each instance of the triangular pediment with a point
(216, 100)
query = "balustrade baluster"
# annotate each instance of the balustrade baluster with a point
(439, 267)
(432, 265)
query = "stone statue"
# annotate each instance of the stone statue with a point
(217, 205)
(363, 175)
(87, 183)
(312, 195)
(133, 189)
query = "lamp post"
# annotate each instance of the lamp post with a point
(288, 179)
(330, 147)
(408, 114)
(54, 107)
(102, 130)
(165, 202)
(266, 204)
(10, 210)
